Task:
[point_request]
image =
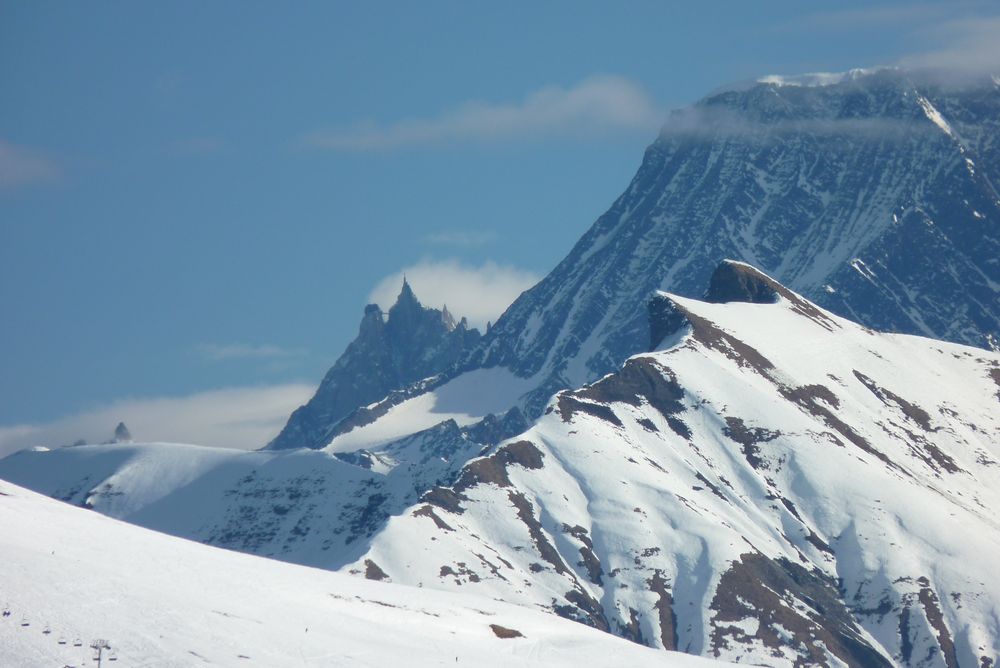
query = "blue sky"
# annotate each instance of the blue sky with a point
(197, 199)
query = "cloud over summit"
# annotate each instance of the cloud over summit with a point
(595, 105)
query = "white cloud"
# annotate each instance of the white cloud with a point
(597, 104)
(219, 352)
(21, 166)
(480, 293)
(243, 418)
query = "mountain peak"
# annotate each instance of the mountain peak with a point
(122, 434)
(447, 318)
(734, 281)
(391, 351)
(407, 307)
(406, 295)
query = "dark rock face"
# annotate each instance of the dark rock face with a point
(856, 195)
(411, 344)
(492, 429)
(773, 592)
(737, 282)
(664, 319)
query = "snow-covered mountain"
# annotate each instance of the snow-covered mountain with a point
(390, 353)
(875, 195)
(773, 484)
(872, 192)
(70, 577)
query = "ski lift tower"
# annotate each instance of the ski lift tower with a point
(99, 646)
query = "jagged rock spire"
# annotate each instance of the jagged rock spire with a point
(447, 318)
(406, 293)
(122, 434)
(392, 350)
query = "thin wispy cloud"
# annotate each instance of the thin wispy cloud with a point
(596, 105)
(462, 239)
(242, 351)
(479, 293)
(245, 418)
(21, 166)
(720, 121)
(954, 36)
(970, 45)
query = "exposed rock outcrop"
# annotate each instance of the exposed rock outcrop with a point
(391, 351)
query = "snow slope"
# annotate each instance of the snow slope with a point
(466, 399)
(775, 484)
(313, 507)
(304, 506)
(72, 575)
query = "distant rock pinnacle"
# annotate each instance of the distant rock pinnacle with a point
(410, 343)
(122, 434)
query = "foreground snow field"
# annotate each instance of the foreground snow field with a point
(70, 574)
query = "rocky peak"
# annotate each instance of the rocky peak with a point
(373, 321)
(122, 434)
(447, 318)
(734, 281)
(406, 303)
(391, 351)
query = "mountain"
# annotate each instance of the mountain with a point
(318, 508)
(772, 484)
(71, 577)
(389, 353)
(873, 194)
